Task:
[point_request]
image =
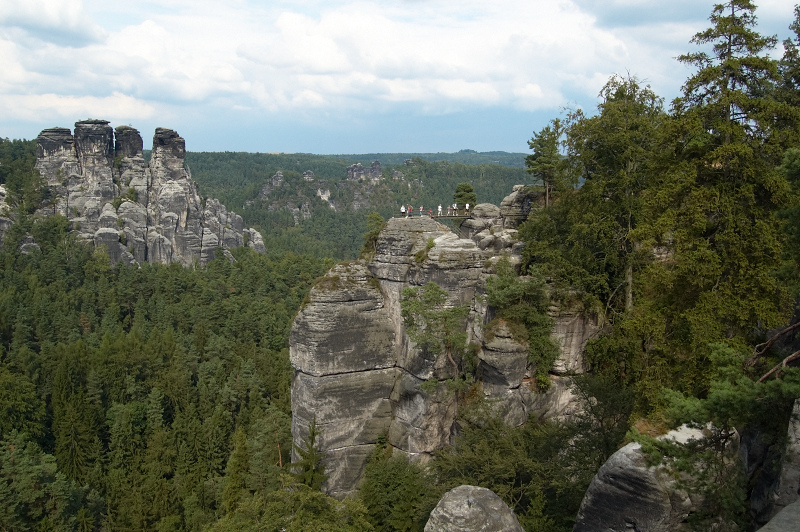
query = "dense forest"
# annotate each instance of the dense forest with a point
(157, 397)
(236, 179)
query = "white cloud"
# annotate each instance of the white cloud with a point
(116, 107)
(345, 57)
(64, 22)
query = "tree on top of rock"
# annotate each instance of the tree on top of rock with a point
(465, 194)
(546, 162)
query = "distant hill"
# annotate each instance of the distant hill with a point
(503, 158)
(318, 203)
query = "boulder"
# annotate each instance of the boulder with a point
(787, 490)
(470, 508)
(786, 520)
(629, 494)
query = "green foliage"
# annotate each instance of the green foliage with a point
(709, 467)
(25, 188)
(465, 194)
(546, 163)
(35, 495)
(163, 390)
(541, 470)
(422, 255)
(375, 224)
(297, 508)
(397, 495)
(434, 325)
(21, 409)
(309, 468)
(522, 303)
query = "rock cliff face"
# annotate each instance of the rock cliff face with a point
(98, 178)
(357, 372)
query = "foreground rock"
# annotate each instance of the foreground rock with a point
(360, 376)
(628, 494)
(786, 520)
(470, 508)
(139, 212)
(787, 490)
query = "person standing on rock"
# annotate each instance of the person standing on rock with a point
(420, 211)
(430, 213)
(402, 211)
(467, 210)
(410, 210)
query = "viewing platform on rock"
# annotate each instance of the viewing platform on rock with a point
(434, 217)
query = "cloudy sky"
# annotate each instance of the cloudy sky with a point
(337, 76)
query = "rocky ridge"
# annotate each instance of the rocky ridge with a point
(140, 212)
(360, 376)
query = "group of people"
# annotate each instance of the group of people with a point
(407, 211)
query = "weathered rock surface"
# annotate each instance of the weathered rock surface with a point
(627, 494)
(787, 490)
(516, 206)
(358, 372)
(470, 508)
(141, 212)
(787, 520)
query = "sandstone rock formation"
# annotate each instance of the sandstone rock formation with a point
(361, 188)
(139, 212)
(628, 494)
(787, 490)
(786, 520)
(472, 509)
(359, 374)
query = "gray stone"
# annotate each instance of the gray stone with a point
(472, 509)
(572, 330)
(516, 206)
(788, 487)
(556, 402)
(161, 213)
(628, 494)
(787, 520)
(344, 327)
(357, 370)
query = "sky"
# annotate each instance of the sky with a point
(338, 76)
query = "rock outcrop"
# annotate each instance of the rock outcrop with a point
(359, 374)
(787, 490)
(140, 212)
(786, 520)
(628, 494)
(472, 509)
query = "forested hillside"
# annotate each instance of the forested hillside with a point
(236, 179)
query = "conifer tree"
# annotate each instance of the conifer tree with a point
(309, 469)
(719, 203)
(546, 162)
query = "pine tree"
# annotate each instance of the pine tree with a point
(615, 153)
(309, 468)
(465, 195)
(546, 162)
(236, 472)
(719, 201)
